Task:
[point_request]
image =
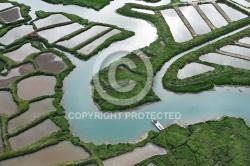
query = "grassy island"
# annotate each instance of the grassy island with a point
(215, 142)
(223, 142)
(165, 48)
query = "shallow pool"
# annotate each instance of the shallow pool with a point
(193, 69)
(196, 21)
(177, 27)
(225, 60)
(213, 15)
(40, 85)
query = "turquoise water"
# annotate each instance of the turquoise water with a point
(78, 96)
(227, 101)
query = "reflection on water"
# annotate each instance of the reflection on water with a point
(51, 20)
(77, 90)
(36, 110)
(50, 62)
(40, 85)
(54, 34)
(5, 5)
(15, 34)
(193, 69)
(232, 13)
(33, 134)
(225, 60)
(7, 104)
(74, 41)
(245, 40)
(14, 74)
(243, 2)
(213, 15)
(237, 50)
(93, 45)
(62, 152)
(177, 27)
(136, 156)
(195, 20)
(143, 11)
(21, 53)
(11, 15)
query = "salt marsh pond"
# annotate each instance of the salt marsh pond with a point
(38, 90)
(62, 152)
(77, 88)
(40, 85)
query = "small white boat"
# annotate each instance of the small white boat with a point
(157, 124)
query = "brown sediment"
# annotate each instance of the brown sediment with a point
(33, 134)
(137, 155)
(24, 69)
(7, 104)
(10, 15)
(62, 152)
(36, 110)
(36, 86)
(7, 82)
(48, 62)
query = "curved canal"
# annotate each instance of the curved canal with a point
(212, 104)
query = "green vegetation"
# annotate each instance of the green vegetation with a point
(95, 4)
(1, 66)
(58, 117)
(224, 142)
(8, 26)
(161, 51)
(118, 37)
(122, 74)
(222, 75)
(152, 1)
(229, 137)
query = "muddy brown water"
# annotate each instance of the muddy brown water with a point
(50, 62)
(14, 74)
(62, 152)
(35, 111)
(10, 15)
(33, 134)
(136, 156)
(36, 86)
(21, 53)
(7, 104)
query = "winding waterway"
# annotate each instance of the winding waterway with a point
(212, 104)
